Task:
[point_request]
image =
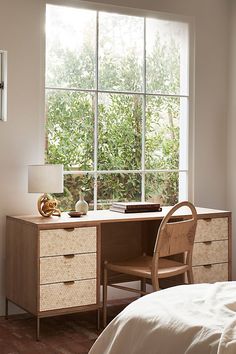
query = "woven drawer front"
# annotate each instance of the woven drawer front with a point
(66, 241)
(61, 295)
(210, 274)
(61, 268)
(212, 252)
(212, 229)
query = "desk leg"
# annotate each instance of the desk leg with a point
(104, 303)
(6, 309)
(37, 328)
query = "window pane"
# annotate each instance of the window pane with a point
(70, 47)
(121, 43)
(70, 127)
(162, 132)
(119, 132)
(183, 185)
(167, 56)
(118, 187)
(73, 185)
(0, 87)
(162, 187)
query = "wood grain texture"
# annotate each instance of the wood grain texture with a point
(68, 334)
(172, 238)
(67, 241)
(176, 238)
(210, 253)
(230, 247)
(120, 241)
(61, 268)
(107, 216)
(212, 229)
(211, 273)
(21, 265)
(118, 238)
(61, 295)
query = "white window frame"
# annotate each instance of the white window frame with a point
(186, 131)
(3, 85)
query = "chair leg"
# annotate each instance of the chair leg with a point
(155, 284)
(190, 276)
(104, 293)
(143, 285)
(98, 319)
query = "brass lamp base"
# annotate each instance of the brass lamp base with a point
(48, 206)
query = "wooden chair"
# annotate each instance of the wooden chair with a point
(173, 237)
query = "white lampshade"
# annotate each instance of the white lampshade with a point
(45, 179)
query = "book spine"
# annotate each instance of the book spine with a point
(119, 210)
(126, 211)
(141, 210)
(134, 207)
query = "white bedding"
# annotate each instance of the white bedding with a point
(187, 319)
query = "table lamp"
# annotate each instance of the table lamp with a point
(46, 179)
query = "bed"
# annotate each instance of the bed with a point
(186, 319)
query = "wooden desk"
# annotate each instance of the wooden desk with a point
(54, 264)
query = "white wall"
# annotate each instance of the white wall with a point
(231, 127)
(21, 137)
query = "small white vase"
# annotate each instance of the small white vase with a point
(81, 205)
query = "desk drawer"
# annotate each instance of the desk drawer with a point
(210, 273)
(66, 241)
(64, 268)
(212, 229)
(65, 295)
(210, 252)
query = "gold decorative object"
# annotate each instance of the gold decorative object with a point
(46, 179)
(47, 206)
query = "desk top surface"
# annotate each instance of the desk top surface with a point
(107, 216)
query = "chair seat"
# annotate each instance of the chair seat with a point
(141, 266)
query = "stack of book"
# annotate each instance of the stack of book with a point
(135, 207)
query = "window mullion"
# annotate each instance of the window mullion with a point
(96, 117)
(3, 85)
(143, 113)
(118, 92)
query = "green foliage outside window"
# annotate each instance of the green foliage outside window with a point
(70, 124)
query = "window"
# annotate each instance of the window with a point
(117, 102)
(3, 85)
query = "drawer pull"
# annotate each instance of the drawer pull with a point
(70, 229)
(207, 242)
(207, 265)
(207, 219)
(69, 255)
(70, 282)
